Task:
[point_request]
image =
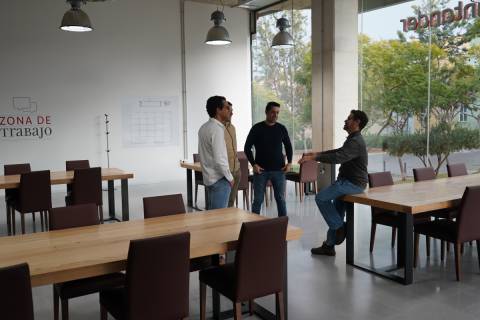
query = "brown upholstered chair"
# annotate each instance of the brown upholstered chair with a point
(198, 178)
(466, 227)
(71, 165)
(71, 217)
(243, 185)
(154, 288)
(308, 174)
(11, 195)
(87, 188)
(387, 217)
(424, 174)
(258, 268)
(457, 169)
(169, 205)
(34, 195)
(163, 206)
(16, 301)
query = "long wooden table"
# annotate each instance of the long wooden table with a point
(407, 199)
(63, 255)
(66, 177)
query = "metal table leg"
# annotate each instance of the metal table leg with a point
(189, 188)
(111, 199)
(125, 208)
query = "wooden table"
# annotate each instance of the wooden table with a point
(190, 166)
(63, 255)
(407, 199)
(66, 177)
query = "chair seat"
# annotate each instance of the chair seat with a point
(114, 301)
(439, 229)
(81, 287)
(221, 278)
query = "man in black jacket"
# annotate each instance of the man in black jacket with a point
(352, 178)
(269, 162)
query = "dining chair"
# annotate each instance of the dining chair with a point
(34, 195)
(154, 288)
(11, 195)
(258, 269)
(76, 216)
(307, 174)
(87, 188)
(16, 301)
(457, 169)
(464, 229)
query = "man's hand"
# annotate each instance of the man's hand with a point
(231, 183)
(257, 169)
(287, 167)
(306, 157)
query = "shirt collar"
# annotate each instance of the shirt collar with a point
(217, 122)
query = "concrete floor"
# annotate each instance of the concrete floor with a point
(324, 287)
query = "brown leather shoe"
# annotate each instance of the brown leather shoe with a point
(324, 250)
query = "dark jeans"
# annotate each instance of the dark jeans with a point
(259, 184)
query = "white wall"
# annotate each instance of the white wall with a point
(134, 51)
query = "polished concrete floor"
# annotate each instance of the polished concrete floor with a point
(324, 287)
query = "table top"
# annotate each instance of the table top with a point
(69, 254)
(64, 177)
(417, 197)
(195, 166)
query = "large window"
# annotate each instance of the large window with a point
(284, 74)
(420, 84)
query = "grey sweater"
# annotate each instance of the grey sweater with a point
(353, 158)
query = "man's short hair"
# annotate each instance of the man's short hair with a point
(214, 103)
(230, 104)
(270, 105)
(361, 116)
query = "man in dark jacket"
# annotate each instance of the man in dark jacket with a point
(352, 178)
(269, 162)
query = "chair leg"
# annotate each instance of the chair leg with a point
(280, 305)
(47, 218)
(457, 260)
(9, 222)
(462, 250)
(301, 191)
(267, 202)
(34, 224)
(41, 221)
(296, 189)
(427, 244)
(196, 193)
(373, 230)
(250, 307)
(56, 299)
(22, 219)
(394, 236)
(478, 251)
(64, 309)
(100, 213)
(248, 199)
(237, 310)
(203, 300)
(442, 251)
(103, 313)
(315, 187)
(14, 227)
(415, 250)
(236, 200)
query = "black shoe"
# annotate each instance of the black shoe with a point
(325, 250)
(340, 235)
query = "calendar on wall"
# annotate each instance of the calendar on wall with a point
(151, 122)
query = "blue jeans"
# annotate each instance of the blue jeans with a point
(332, 209)
(218, 194)
(259, 184)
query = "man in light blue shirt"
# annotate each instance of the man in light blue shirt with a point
(217, 177)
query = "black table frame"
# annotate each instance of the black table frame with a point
(111, 200)
(404, 249)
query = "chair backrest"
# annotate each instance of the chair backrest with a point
(309, 171)
(457, 169)
(468, 218)
(163, 205)
(87, 186)
(243, 185)
(423, 174)
(158, 273)
(198, 174)
(19, 168)
(71, 165)
(35, 192)
(241, 155)
(380, 179)
(260, 257)
(16, 301)
(11, 169)
(80, 215)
